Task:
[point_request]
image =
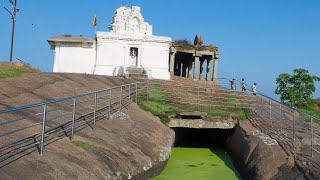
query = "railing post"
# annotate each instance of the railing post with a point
(311, 137)
(109, 106)
(43, 128)
(94, 111)
(147, 92)
(280, 117)
(270, 113)
(129, 93)
(293, 124)
(120, 102)
(73, 117)
(136, 93)
(261, 106)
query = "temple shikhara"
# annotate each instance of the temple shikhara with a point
(130, 48)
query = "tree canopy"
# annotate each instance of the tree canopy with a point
(297, 89)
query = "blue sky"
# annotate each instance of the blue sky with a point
(257, 39)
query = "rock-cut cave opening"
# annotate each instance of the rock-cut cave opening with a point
(204, 137)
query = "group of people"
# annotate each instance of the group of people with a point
(243, 86)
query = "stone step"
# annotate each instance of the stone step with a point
(133, 75)
(134, 70)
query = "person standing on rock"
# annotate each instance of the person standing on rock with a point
(254, 88)
(243, 87)
(232, 84)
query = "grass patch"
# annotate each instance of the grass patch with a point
(158, 107)
(9, 70)
(155, 103)
(312, 111)
(81, 144)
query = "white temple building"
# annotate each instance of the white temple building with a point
(129, 45)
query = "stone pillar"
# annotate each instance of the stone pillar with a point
(196, 67)
(186, 72)
(203, 70)
(185, 69)
(190, 73)
(192, 69)
(172, 62)
(215, 71)
(209, 69)
(181, 69)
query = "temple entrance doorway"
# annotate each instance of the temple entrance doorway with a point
(133, 58)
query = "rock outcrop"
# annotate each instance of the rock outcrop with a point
(132, 144)
(259, 156)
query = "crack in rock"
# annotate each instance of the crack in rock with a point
(265, 138)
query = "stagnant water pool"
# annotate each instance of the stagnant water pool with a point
(200, 164)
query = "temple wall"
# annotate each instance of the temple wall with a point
(110, 56)
(156, 60)
(73, 58)
(114, 52)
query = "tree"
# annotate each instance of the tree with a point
(297, 89)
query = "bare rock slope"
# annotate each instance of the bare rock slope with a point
(132, 144)
(263, 153)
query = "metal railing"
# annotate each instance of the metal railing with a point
(31, 126)
(291, 123)
(26, 127)
(202, 96)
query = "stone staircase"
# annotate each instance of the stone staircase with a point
(135, 72)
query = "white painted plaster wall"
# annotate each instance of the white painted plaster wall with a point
(73, 58)
(114, 52)
(155, 60)
(111, 55)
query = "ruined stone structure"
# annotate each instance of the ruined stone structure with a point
(198, 62)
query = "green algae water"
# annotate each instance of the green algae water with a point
(200, 164)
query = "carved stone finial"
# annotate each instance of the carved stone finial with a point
(130, 21)
(198, 41)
